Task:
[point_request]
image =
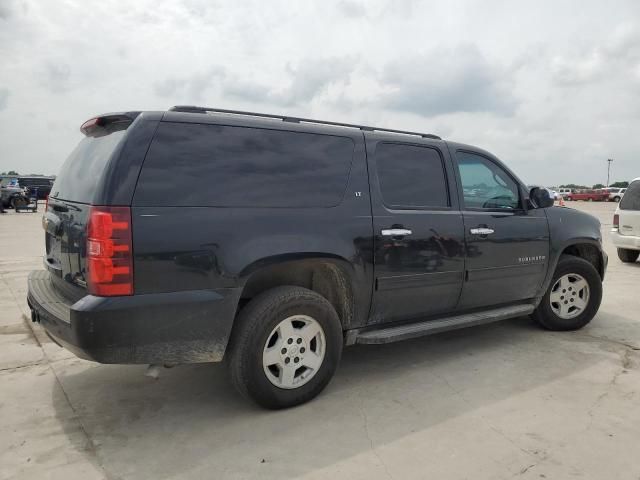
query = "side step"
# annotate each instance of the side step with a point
(429, 327)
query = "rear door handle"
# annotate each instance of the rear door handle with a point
(481, 231)
(395, 232)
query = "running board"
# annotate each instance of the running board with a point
(429, 327)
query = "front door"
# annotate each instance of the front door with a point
(418, 233)
(507, 245)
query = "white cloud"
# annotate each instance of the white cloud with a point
(447, 80)
(4, 98)
(551, 92)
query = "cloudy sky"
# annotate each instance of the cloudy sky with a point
(552, 88)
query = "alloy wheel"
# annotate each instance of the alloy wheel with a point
(294, 351)
(569, 296)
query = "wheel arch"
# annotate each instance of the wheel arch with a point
(328, 275)
(587, 248)
(589, 251)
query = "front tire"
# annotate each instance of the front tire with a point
(628, 256)
(285, 347)
(573, 298)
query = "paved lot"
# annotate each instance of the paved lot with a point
(498, 401)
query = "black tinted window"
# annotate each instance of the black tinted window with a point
(83, 169)
(631, 198)
(214, 165)
(485, 184)
(411, 176)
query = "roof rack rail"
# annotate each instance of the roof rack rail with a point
(286, 118)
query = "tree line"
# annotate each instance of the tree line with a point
(596, 186)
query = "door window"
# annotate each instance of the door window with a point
(486, 185)
(411, 176)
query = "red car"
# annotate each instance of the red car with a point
(589, 196)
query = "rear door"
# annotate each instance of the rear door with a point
(629, 210)
(507, 245)
(418, 234)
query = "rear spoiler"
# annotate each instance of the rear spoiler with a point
(108, 123)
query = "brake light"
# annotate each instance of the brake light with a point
(109, 252)
(106, 124)
(90, 125)
(616, 220)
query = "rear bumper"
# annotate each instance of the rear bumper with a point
(631, 242)
(177, 327)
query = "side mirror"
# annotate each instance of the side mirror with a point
(540, 198)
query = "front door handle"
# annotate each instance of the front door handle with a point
(395, 232)
(481, 231)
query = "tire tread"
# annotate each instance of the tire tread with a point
(627, 255)
(543, 314)
(248, 322)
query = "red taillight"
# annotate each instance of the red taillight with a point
(109, 255)
(616, 220)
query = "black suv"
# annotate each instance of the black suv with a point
(197, 235)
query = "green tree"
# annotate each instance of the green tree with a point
(598, 185)
(10, 172)
(573, 185)
(619, 185)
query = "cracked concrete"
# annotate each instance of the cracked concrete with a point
(500, 401)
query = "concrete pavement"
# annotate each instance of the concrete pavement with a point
(497, 401)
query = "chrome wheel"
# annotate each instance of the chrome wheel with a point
(294, 352)
(569, 296)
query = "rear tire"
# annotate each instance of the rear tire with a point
(271, 359)
(628, 256)
(576, 283)
(616, 199)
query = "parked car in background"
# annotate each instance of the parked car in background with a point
(588, 196)
(564, 192)
(36, 183)
(10, 185)
(625, 233)
(615, 194)
(553, 194)
(9, 190)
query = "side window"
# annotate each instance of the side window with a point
(223, 166)
(411, 176)
(631, 198)
(485, 184)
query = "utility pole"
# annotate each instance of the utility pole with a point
(609, 160)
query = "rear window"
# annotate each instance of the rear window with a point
(83, 169)
(631, 198)
(215, 165)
